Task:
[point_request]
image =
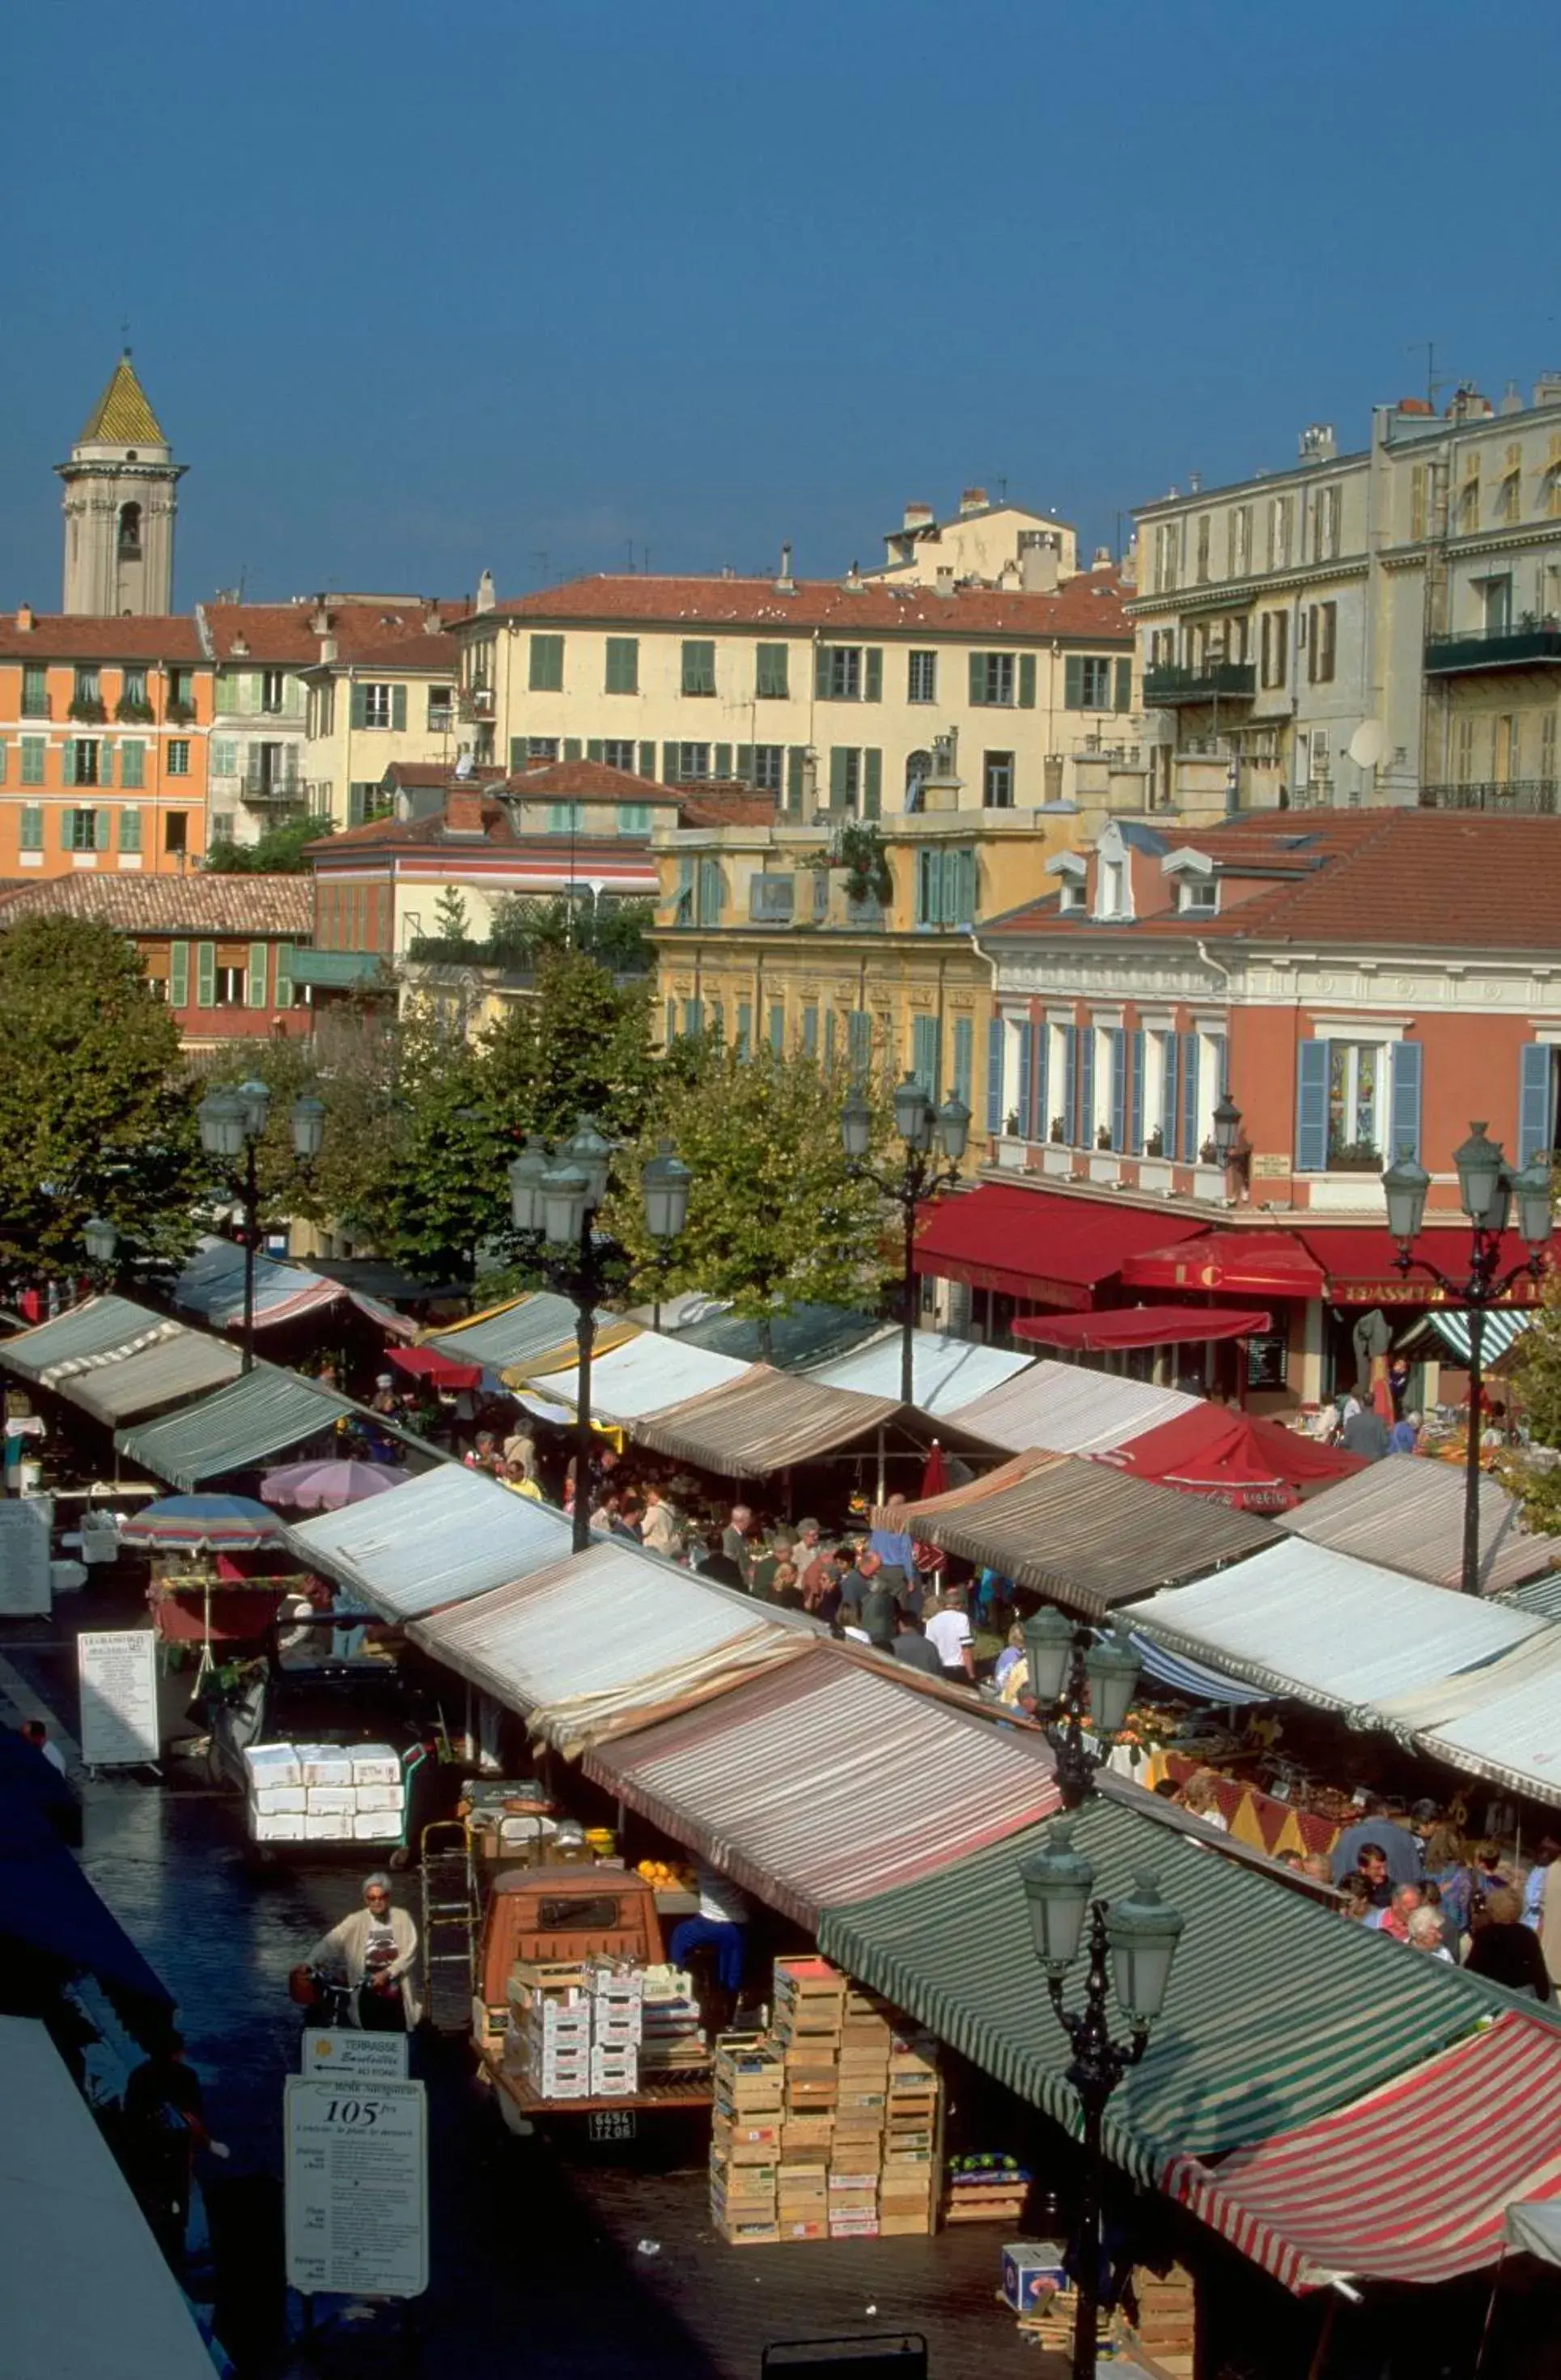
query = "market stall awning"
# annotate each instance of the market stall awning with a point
(1046, 1246)
(1502, 1332)
(644, 1373)
(1232, 1457)
(1407, 1511)
(1277, 2012)
(609, 1640)
(1192, 1678)
(440, 1539)
(254, 1417)
(1342, 1634)
(1067, 1408)
(1360, 1267)
(827, 1781)
(764, 1422)
(1501, 1721)
(115, 1360)
(947, 1372)
(1086, 1534)
(1410, 2183)
(1235, 1264)
(212, 1285)
(100, 1329)
(1534, 2227)
(1141, 1326)
(440, 1371)
(799, 1338)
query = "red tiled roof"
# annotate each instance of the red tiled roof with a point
(201, 903)
(279, 632)
(441, 774)
(439, 654)
(1396, 878)
(500, 830)
(587, 777)
(719, 805)
(1088, 607)
(59, 636)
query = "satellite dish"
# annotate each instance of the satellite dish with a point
(1367, 743)
(464, 766)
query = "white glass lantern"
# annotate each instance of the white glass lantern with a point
(665, 1182)
(221, 1116)
(527, 1175)
(953, 1127)
(1111, 1667)
(856, 1126)
(1048, 1649)
(913, 1115)
(1405, 1183)
(1058, 1882)
(99, 1239)
(1141, 1932)
(591, 1156)
(308, 1127)
(1480, 1172)
(565, 1203)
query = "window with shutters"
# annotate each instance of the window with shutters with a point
(1325, 520)
(1206, 533)
(441, 710)
(770, 679)
(1240, 540)
(841, 672)
(1547, 748)
(1322, 632)
(622, 665)
(693, 762)
(224, 755)
(32, 826)
(846, 776)
(1279, 516)
(376, 706)
(1095, 682)
(996, 780)
(87, 698)
(945, 886)
(130, 830)
(179, 757)
(991, 678)
(1469, 498)
(34, 691)
(1550, 489)
(1167, 556)
(698, 666)
(618, 752)
(132, 766)
(175, 833)
(566, 817)
(33, 751)
(921, 681)
(82, 754)
(633, 817)
(767, 767)
(79, 830)
(546, 664)
(273, 691)
(1357, 1078)
(1463, 749)
(1417, 485)
(1273, 642)
(1509, 493)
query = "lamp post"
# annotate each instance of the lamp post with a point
(919, 1124)
(1136, 1939)
(100, 1241)
(232, 1127)
(1072, 1672)
(1487, 1188)
(554, 1198)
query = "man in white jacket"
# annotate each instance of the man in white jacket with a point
(375, 1952)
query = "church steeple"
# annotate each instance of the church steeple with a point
(120, 499)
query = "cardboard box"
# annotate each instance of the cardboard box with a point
(1032, 2272)
(749, 2235)
(807, 2228)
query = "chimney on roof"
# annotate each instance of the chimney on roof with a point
(487, 595)
(1547, 389)
(27, 618)
(320, 618)
(433, 620)
(462, 808)
(1195, 483)
(1415, 405)
(786, 584)
(1040, 561)
(853, 580)
(327, 648)
(1511, 398)
(919, 517)
(1318, 443)
(972, 500)
(240, 647)
(944, 582)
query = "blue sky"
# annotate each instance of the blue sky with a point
(418, 290)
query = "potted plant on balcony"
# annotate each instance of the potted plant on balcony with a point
(858, 849)
(1103, 1136)
(1057, 1128)
(86, 708)
(1156, 1144)
(134, 710)
(1011, 1124)
(178, 713)
(1354, 1157)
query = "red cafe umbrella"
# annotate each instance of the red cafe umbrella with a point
(935, 1473)
(1233, 1458)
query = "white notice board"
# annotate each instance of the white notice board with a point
(24, 1558)
(117, 1673)
(357, 2188)
(360, 2056)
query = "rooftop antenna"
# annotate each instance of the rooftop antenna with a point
(125, 333)
(1002, 488)
(1435, 382)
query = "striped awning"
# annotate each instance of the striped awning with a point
(1502, 1332)
(1409, 2184)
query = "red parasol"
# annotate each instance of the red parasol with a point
(934, 1475)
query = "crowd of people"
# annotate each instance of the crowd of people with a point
(1421, 1883)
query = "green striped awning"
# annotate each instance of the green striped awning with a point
(1279, 2009)
(261, 1415)
(1502, 1332)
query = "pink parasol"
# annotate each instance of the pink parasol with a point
(326, 1487)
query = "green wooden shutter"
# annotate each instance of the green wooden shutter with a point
(746, 763)
(178, 974)
(925, 1053)
(796, 756)
(778, 1027)
(810, 1030)
(1124, 686)
(669, 764)
(1026, 681)
(838, 764)
(821, 673)
(571, 748)
(1073, 682)
(255, 990)
(926, 910)
(517, 755)
(106, 761)
(648, 760)
(67, 761)
(874, 673)
(205, 975)
(978, 677)
(745, 1028)
(132, 766)
(872, 783)
(130, 830)
(360, 706)
(103, 830)
(831, 1022)
(723, 760)
(964, 1057)
(66, 819)
(398, 709)
(593, 747)
(859, 1041)
(284, 975)
(2, 764)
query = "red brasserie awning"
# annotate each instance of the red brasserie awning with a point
(1142, 1326)
(1410, 2184)
(1039, 1244)
(1243, 1264)
(1361, 1267)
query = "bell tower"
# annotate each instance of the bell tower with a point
(120, 497)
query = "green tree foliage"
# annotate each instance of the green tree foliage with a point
(350, 1062)
(278, 852)
(611, 931)
(450, 917)
(1533, 1475)
(582, 1047)
(775, 1219)
(95, 1114)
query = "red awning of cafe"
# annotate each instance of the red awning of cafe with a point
(1043, 1245)
(1361, 1269)
(1242, 1264)
(1142, 1326)
(427, 1364)
(1233, 1458)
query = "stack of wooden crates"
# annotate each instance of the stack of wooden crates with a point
(829, 2126)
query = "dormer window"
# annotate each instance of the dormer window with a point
(1113, 887)
(1198, 896)
(1075, 900)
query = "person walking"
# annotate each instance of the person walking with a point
(37, 1736)
(949, 1634)
(734, 1544)
(374, 1953)
(912, 1648)
(164, 2124)
(1507, 1951)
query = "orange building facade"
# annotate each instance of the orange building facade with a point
(104, 730)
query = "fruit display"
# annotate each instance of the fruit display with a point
(667, 1876)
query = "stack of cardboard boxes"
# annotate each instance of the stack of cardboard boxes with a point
(325, 1793)
(1163, 2341)
(828, 2125)
(575, 2029)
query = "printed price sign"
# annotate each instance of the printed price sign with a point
(357, 2057)
(117, 1669)
(357, 2188)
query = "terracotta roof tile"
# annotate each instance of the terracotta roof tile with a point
(719, 805)
(1088, 607)
(279, 632)
(582, 779)
(201, 903)
(58, 636)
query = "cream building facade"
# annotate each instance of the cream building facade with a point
(982, 542)
(381, 693)
(1380, 626)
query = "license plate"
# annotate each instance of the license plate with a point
(610, 2124)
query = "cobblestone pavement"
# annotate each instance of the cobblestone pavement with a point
(538, 2268)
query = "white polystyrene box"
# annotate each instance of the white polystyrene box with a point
(337, 1799)
(275, 1800)
(375, 1763)
(377, 1826)
(277, 1826)
(272, 1764)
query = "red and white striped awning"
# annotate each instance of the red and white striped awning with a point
(1409, 2184)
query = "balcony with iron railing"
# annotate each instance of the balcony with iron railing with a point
(1535, 797)
(1507, 644)
(1210, 682)
(267, 789)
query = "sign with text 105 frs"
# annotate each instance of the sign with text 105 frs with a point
(357, 2188)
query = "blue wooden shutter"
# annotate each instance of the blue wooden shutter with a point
(1135, 1095)
(1042, 1065)
(1170, 1050)
(810, 1030)
(1403, 1131)
(284, 994)
(859, 1042)
(745, 1028)
(1026, 681)
(994, 1075)
(1311, 1108)
(1084, 1123)
(830, 1027)
(1533, 1100)
(398, 710)
(964, 1057)
(777, 1027)
(924, 1053)
(1189, 1099)
(1070, 1079)
(1119, 1041)
(1026, 1081)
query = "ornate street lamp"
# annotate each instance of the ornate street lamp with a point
(1134, 1939)
(1487, 1188)
(232, 1124)
(922, 1129)
(1074, 1676)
